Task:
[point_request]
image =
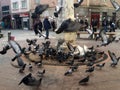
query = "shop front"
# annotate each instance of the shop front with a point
(20, 21)
(25, 21)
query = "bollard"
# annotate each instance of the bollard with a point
(9, 35)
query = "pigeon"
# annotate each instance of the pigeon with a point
(30, 66)
(57, 11)
(20, 61)
(40, 74)
(41, 8)
(76, 5)
(79, 50)
(22, 68)
(90, 32)
(86, 49)
(75, 67)
(31, 42)
(100, 65)
(15, 46)
(71, 62)
(90, 64)
(82, 60)
(91, 69)
(69, 72)
(4, 51)
(105, 40)
(70, 47)
(113, 58)
(115, 5)
(101, 53)
(29, 80)
(84, 81)
(34, 16)
(39, 64)
(102, 35)
(68, 25)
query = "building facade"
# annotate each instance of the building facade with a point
(5, 13)
(20, 14)
(23, 9)
(97, 9)
(16, 14)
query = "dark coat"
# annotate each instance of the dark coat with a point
(46, 24)
(94, 23)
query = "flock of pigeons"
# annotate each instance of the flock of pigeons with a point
(73, 58)
(81, 54)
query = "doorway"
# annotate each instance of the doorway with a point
(96, 15)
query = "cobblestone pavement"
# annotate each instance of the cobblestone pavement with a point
(106, 79)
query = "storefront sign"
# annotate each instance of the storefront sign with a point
(24, 15)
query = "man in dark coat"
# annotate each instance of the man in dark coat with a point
(105, 24)
(37, 26)
(94, 25)
(47, 26)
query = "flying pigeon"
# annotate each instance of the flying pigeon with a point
(76, 5)
(115, 5)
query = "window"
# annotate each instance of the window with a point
(15, 5)
(37, 1)
(5, 8)
(23, 4)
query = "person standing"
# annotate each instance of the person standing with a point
(47, 26)
(35, 26)
(54, 24)
(86, 24)
(94, 26)
(105, 24)
(112, 26)
(40, 26)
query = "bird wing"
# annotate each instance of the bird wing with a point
(115, 5)
(15, 46)
(41, 8)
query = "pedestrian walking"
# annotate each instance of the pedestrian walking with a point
(47, 26)
(112, 26)
(54, 24)
(105, 24)
(86, 24)
(94, 26)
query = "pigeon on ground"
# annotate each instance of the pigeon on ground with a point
(41, 73)
(100, 65)
(69, 72)
(84, 81)
(29, 80)
(90, 70)
(30, 66)
(75, 67)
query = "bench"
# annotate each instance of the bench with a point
(110, 34)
